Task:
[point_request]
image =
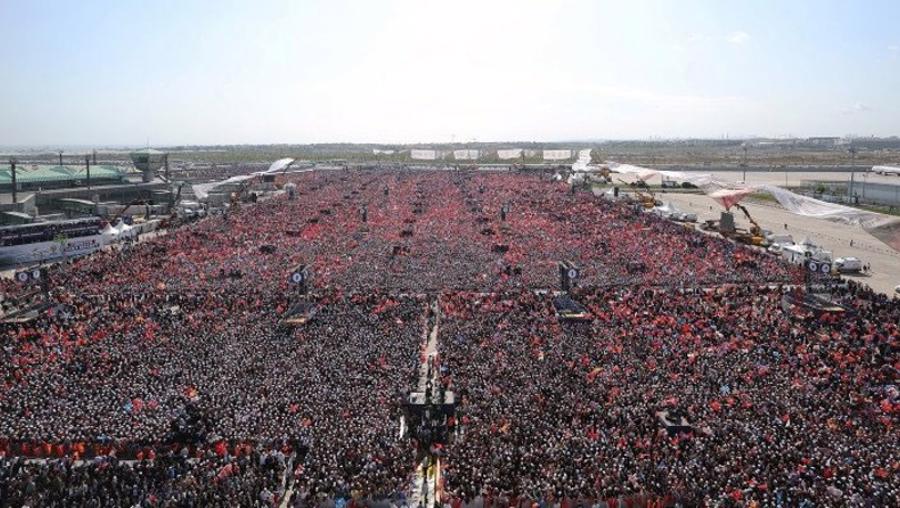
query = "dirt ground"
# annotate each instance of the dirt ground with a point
(836, 237)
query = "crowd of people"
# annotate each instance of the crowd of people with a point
(168, 479)
(152, 369)
(213, 378)
(707, 397)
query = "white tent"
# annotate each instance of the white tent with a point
(109, 234)
(202, 190)
(125, 231)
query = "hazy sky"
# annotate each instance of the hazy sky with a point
(183, 72)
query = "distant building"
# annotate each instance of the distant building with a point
(825, 142)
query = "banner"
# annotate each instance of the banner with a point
(557, 155)
(729, 197)
(512, 153)
(465, 155)
(422, 155)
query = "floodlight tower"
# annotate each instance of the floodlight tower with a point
(744, 163)
(12, 165)
(148, 161)
(87, 166)
(852, 152)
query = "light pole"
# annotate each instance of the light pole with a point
(744, 163)
(12, 165)
(852, 151)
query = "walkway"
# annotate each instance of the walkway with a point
(424, 482)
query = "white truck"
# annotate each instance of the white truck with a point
(848, 265)
(777, 242)
(780, 239)
(886, 170)
(798, 253)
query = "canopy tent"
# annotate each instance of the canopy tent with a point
(202, 190)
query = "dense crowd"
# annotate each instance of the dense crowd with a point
(162, 373)
(778, 409)
(222, 380)
(169, 479)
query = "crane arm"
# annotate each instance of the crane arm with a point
(123, 210)
(747, 214)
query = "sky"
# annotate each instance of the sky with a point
(185, 72)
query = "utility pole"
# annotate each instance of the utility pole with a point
(60, 157)
(87, 164)
(12, 164)
(852, 151)
(744, 164)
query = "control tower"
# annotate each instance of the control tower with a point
(148, 161)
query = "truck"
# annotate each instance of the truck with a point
(780, 239)
(886, 170)
(848, 265)
(799, 253)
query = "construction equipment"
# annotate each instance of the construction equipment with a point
(604, 172)
(725, 226)
(178, 194)
(173, 210)
(648, 199)
(115, 219)
(757, 237)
